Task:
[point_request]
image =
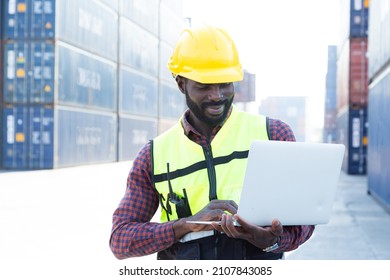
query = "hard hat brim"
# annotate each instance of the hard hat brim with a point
(214, 76)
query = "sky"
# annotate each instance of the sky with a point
(283, 42)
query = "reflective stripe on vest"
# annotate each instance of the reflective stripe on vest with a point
(215, 172)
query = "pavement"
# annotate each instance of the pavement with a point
(55, 224)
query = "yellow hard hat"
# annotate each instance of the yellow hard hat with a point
(206, 55)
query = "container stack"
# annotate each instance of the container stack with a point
(379, 102)
(352, 85)
(290, 109)
(330, 110)
(81, 82)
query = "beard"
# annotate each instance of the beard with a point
(199, 111)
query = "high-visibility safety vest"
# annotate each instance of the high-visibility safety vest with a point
(203, 174)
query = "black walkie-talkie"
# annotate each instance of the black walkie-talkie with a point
(181, 203)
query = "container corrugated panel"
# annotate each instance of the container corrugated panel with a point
(29, 19)
(358, 84)
(138, 48)
(331, 79)
(175, 5)
(137, 93)
(85, 80)
(290, 109)
(165, 54)
(245, 90)
(171, 24)
(379, 39)
(352, 128)
(16, 57)
(28, 141)
(134, 134)
(354, 19)
(379, 139)
(144, 13)
(172, 102)
(84, 137)
(29, 72)
(352, 79)
(113, 4)
(88, 25)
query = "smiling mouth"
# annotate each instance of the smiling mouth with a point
(215, 110)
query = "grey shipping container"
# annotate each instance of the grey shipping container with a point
(86, 80)
(84, 137)
(379, 39)
(172, 102)
(137, 93)
(379, 139)
(135, 132)
(144, 13)
(138, 49)
(290, 109)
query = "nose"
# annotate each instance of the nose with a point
(215, 92)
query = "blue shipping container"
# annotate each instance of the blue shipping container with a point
(28, 72)
(83, 79)
(352, 128)
(29, 19)
(353, 19)
(379, 140)
(85, 137)
(134, 133)
(84, 23)
(28, 137)
(137, 93)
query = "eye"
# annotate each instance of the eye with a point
(226, 84)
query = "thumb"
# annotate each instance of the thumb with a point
(276, 227)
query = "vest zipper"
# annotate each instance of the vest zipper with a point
(211, 172)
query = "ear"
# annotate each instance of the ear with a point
(181, 83)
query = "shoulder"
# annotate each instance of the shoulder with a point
(142, 160)
(279, 130)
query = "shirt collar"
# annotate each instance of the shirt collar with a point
(188, 128)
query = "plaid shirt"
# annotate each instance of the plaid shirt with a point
(134, 235)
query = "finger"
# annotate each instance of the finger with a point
(276, 227)
(228, 226)
(225, 205)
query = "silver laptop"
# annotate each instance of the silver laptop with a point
(294, 182)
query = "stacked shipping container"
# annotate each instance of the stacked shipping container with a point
(379, 102)
(291, 109)
(352, 85)
(330, 110)
(83, 82)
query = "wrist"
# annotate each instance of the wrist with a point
(273, 246)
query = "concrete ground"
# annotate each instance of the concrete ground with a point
(55, 224)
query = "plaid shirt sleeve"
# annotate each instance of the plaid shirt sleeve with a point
(132, 233)
(293, 236)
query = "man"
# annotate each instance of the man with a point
(195, 170)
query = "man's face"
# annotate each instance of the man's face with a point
(209, 103)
